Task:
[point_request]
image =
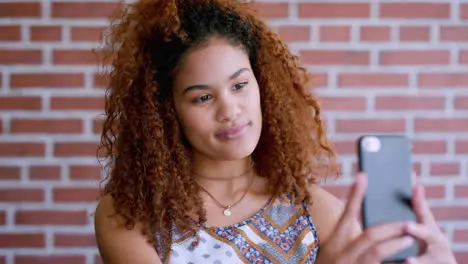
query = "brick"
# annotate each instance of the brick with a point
(464, 11)
(370, 125)
(85, 172)
(76, 57)
(51, 217)
(46, 33)
(415, 10)
(454, 33)
(44, 172)
(97, 126)
(9, 173)
(436, 80)
(445, 168)
(461, 256)
(75, 195)
(435, 191)
(20, 56)
(461, 191)
(335, 57)
(452, 213)
(22, 149)
(10, 33)
(422, 147)
(47, 80)
(405, 103)
(334, 10)
(445, 125)
(20, 10)
(344, 147)
(272, 10)
(460, 235)
(414, 33)
(294, 33)
(84, 10)
(375, 34)
(41, 259)
(25, 103)
(22, 195)
(86, 34)
(22, 240)
(461, 103)
(463, 57)
(414, 57)
(343, 103)
(75, 149)
(319, 80)
(77, 103)
(74, 240)
(372, 80)
(335, 33)
(3, 220)
(461, 146)
(100, 80)
(49, 126)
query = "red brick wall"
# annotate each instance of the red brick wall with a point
(382, 67)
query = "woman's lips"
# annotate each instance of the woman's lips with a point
(233, 133)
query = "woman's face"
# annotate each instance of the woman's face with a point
(217, 101)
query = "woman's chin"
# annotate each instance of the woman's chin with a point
(235, 151)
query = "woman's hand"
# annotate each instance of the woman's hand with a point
(373, 245)
(435, 245)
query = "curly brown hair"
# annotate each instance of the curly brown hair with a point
(147, 154)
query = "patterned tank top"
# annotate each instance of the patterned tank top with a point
(280, 232)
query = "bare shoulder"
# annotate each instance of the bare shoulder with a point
(116, 244)
(326, 210)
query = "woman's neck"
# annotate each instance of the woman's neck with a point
(223, 178)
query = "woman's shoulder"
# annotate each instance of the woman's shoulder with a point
(115, 242)
(326, 210)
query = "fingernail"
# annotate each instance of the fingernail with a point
(408, 241)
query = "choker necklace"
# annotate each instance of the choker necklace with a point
(227, 208)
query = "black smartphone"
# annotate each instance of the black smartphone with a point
(387, 162)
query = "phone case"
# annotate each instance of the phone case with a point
(386, 160)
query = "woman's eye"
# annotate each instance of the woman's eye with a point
(202, 98)
(240, 85)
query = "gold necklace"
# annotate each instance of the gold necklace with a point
(227, 208)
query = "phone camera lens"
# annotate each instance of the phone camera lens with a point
(371, 144)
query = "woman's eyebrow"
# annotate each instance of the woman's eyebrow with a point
(206, 86)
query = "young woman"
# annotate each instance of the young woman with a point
(216, 149)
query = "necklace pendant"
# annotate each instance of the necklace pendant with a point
(227, 211)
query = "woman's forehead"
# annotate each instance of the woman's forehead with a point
(215, 61)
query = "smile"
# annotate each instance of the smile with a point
(233, 133)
